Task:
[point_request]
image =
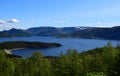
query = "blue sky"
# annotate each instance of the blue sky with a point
(59, 13)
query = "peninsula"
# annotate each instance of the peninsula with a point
(24, 44)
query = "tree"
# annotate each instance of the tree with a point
(115, 69)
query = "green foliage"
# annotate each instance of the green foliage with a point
(97, 62)
(98, 33)
(96, 74)
(25, 44)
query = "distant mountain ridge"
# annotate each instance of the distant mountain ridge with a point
(14, 33)
(78, 32)
(52, 31)
(112, 33)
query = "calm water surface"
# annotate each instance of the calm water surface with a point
(68, 43)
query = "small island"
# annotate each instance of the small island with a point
(11, 45)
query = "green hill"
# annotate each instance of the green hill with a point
(103, 61)
(25, 44)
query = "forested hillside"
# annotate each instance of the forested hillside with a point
(98, 33)
(14, 33)
(97, 62)
(26, 44)
(75, 32)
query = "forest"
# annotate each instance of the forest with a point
(26, 44)
(96, 62)
(66, 32)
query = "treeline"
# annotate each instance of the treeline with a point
(26, 44)
(80, 32)
(103, 61)
(98, 33)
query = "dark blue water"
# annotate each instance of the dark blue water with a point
(68, 43)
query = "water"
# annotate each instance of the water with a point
(68, 43)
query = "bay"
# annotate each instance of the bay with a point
(68, 43)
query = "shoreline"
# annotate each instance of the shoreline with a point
(9, 51)
(16, 49)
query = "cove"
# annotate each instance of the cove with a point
(68, 43)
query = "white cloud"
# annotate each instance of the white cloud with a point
(2, 22)
(9, 21)
(62, 21)
(98, 23)
(13, 21)
(7, 27)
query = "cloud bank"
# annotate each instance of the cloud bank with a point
(9, 21)
(13, 21)
(7, 27)
(62, 21)
(2, 22)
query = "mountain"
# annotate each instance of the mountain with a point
(77, 32)
(43, 31)
(53, 31)
(40, 31)
(14, 33)
(98, 33)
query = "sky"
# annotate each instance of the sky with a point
(59, 13)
